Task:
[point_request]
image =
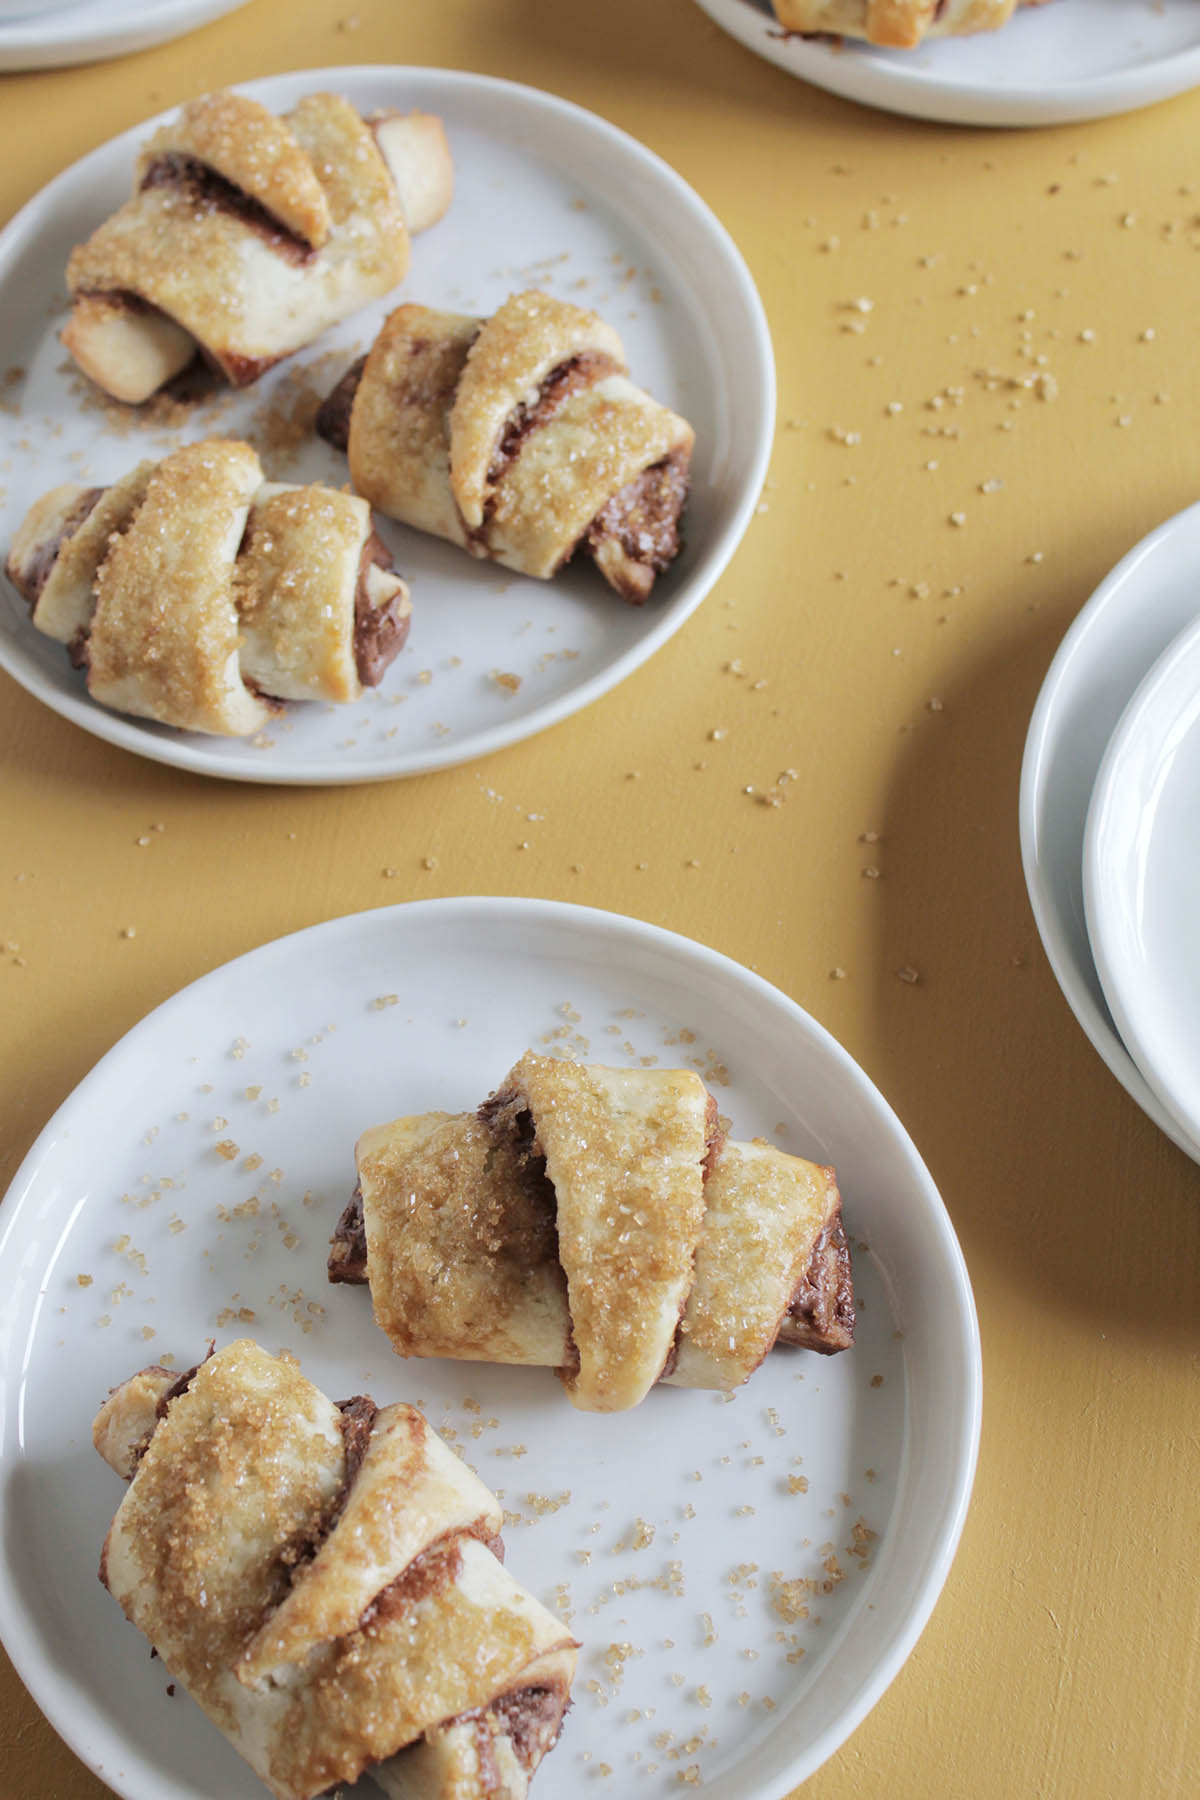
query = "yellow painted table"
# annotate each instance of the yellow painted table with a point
(930, 526)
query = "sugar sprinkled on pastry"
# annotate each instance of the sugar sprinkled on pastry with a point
(599, 1222)
(323, 1581)
(895, 24)
(520, 437)
(196, 594)
(248, 234)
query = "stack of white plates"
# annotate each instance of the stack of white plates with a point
(1110, 823)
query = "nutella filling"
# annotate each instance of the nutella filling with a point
(822, 1307)
(568, 378)
(206, 191)
(532, 1717)
(508, 1121)
(434, 1570)
(333, 419)
(183, 1382)
(380, 632)
(179, 1386)
(643, 518)
(358, 1420)
(347, 1259)
(36, 573)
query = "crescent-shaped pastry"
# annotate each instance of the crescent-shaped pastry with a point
(247, 235)
(897, 24)
(196, 594)
(323, 1580)
(596, 1221)
(520, 437)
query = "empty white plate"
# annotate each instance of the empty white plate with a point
(1141, 877)
(1074, 59)
(767, 1558)
(1134, 614)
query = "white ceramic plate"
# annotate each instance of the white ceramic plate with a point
(1141, 877)
(547, 196)
(41, 36)
(1133, 615)
(287, 1053)
(1118, 55)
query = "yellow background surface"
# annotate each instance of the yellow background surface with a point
(902, 655)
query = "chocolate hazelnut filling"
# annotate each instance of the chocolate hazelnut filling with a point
(358, 1421)
(30, 580)
(570, 377)
(204, 190)
(347, 1260)
(820, 1313)
(380, 632)
(509, 1122)
(432, 1572)
(532, 1717)
(633, 537)
(333, 418)
(180, 1385)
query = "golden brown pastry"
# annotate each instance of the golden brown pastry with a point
(898, 24)
(520, 437)
(596, 1221)
(196, 594)
(247, 235)
(323, 1581)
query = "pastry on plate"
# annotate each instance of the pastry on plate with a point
(898, 24)
(197, 594)
(519, 437)
(247, 234)
(323, 1580)
(598, 1222)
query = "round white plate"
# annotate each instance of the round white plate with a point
(1070, 59)
(41, 36)
(1141, 877)
(1133, 615)
(199, 1170)
(546, 196)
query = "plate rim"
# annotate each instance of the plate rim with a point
(30, 43)
(1039, 753)
(963, 1442)
(914, 94)
(759, 390)
(1102, 904)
